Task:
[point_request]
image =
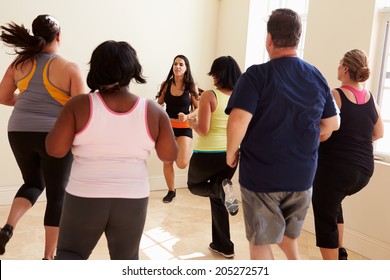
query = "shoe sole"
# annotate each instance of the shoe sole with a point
(228, 256)
(168, 200)
(169, 197)
(231, 207)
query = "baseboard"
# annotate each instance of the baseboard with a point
(357, 242)
(7, 193)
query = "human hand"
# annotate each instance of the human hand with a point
(193, 122)
(232, 158)
(182, 117)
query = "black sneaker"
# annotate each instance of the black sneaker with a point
(228, 197)
(343, 255)
(227, 255)
(170, 195)
(5, 235)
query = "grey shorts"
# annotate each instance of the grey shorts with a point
(270, 216)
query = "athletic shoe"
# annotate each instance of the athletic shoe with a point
(343, 255)
(5, 235)
(213, 248)
(169, 197)
(229, 199)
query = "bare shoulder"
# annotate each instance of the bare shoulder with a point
(78, 101)
(65, 66)
(336, 96)
(207, 95)
(154, 108)
(69, 64)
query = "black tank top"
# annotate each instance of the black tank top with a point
(352, 143)
(177, 104)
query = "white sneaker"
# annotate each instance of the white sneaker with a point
(230, 200)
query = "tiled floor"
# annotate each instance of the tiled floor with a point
(179, 230)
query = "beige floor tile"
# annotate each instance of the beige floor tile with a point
(176, 231)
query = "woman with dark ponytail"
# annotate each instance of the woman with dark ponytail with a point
(38, 83)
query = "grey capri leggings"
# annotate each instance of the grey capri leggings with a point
(84, 220)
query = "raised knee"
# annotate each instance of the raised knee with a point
(182, 164)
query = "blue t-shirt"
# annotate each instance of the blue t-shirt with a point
(287, 98)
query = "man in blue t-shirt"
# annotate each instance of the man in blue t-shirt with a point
(278, 110)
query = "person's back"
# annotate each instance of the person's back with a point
(45, 82)
(278, 110)
(352, 143)
(279, 149)
(345, 158)
(208, 173)
(215, 140)
(44, 85)
(110, 153)
(111, 132)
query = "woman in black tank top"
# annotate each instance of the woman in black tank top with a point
(180, 96)
(345, 158)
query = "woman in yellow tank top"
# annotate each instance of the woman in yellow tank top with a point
(208, 173)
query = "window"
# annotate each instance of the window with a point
(257, 27)
(382, 146)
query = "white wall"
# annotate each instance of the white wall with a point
(232, 29)
(158, 30)
(203, 30)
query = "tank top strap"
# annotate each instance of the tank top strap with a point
(359, 95)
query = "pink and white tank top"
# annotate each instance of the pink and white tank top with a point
(110, 153)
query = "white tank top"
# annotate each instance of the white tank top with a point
(110, 153)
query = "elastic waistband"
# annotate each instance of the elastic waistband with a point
(180, 124)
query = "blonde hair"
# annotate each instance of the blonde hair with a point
(357, 63)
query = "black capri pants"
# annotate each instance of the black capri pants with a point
(332, 183)
(40, 171)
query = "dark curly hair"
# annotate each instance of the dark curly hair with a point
(113, 65)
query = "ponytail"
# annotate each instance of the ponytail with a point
(25, 45)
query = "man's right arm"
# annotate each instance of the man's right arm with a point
(236, 129)
(328, 125)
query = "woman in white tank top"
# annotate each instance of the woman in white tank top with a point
(111, 133)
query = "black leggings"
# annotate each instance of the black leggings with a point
(332, 183)
(205, 174)
(39, 170)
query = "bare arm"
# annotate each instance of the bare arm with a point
(328, 125)
(60, 138)
(160, 99)
(236, 129)
(77, 84)
(161, 131)
(379, 127)
(8, 88)
(207, 105)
